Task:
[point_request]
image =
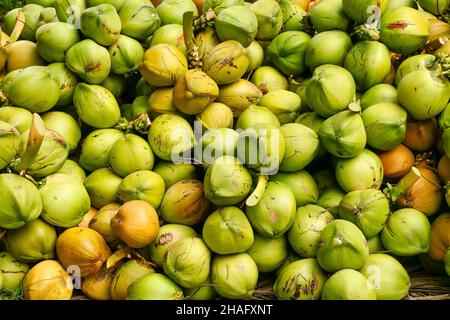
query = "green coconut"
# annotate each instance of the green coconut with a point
(304, 235)
(300, 280)
(387, 276)
(407, 233)
(342, 246)
(227, 231)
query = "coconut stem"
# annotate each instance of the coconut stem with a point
(440, 65)
(30, 178)
(3, 98)
(140, 124)
(123, 125)
(256, 195)
(438, 29)
(292, 80)
(142, 259)
(367, 32)
(121, 253)
(189, 39)
(353, 210)
(188, 30)
(354, 107)
(394, 192)
(434, 45)
(35, 139)
(206, 19)
(20, 24)
(425, 160)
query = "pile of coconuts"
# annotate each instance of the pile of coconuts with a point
(180, 149)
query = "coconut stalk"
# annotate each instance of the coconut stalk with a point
(425, 160)
(440, 66)
(125, 252)
(393, 192)
(205, 20)
(140, 124)
(15, 34)
(121, 253)
(370, 30)
(34, 143)
(257, 194)
(18, 28)
(193, 55)
(438, 29)
(354, 107)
